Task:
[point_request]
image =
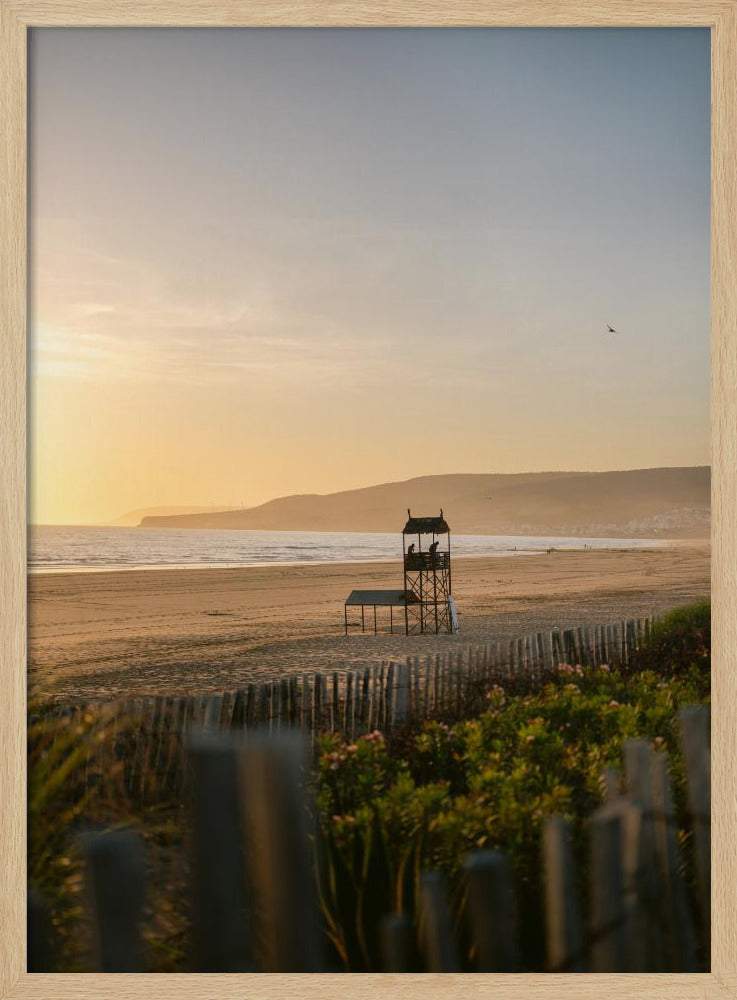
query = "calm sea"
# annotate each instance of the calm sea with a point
(85, 549)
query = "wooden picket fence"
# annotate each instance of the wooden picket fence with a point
(146, 737)
(255, 901)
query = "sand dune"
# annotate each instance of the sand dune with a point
(644, 503)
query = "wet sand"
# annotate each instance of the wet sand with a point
(192, 631)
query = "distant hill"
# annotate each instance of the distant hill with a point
(134, 517)
(666, 503)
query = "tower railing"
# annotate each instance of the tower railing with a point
(417, 561)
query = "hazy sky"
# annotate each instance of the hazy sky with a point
(270, 261)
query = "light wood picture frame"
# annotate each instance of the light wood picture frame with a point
(16, 17)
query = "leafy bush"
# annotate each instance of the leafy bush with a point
(679, 643)
(62, 795)
(75, 786)
(391, 810)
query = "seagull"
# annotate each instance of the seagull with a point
(610, 329)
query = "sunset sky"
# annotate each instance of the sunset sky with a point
(297, 261)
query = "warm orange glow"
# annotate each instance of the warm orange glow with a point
(282, 262)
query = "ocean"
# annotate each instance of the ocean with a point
(58, 548)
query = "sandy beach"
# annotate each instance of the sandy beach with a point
(102, 635)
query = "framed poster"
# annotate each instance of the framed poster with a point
(337, 219)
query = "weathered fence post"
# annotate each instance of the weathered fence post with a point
(564, 934)
(278, 691)
(348, 706)
(321, 700)
(304, 700)
(680, 937)
(238, 716)
(262, 711)
(399, 695)
(220, 933)
(293, 700)
(436, 684)
(695, 731)
(387, 687)
(638, 919)
(438, 945)
(461, 682)
(554, 648)
(491, 905)
(608, 917)
(226, 710)
(415, 687)
(211, 718)
(638, 774)
(372, 710)
(365, 701)
(280, 867)
(335, 703)
(386, 676)
(115, 881)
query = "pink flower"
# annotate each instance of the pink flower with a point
(613, 704)
(336, 759)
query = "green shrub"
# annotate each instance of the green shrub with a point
(390, 810)
(74, 786)
(679, 643)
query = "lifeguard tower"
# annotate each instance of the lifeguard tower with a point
(426, 546)
(426, 597)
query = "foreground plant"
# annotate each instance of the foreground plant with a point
(390, 810)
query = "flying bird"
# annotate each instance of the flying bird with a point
(610, 329)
